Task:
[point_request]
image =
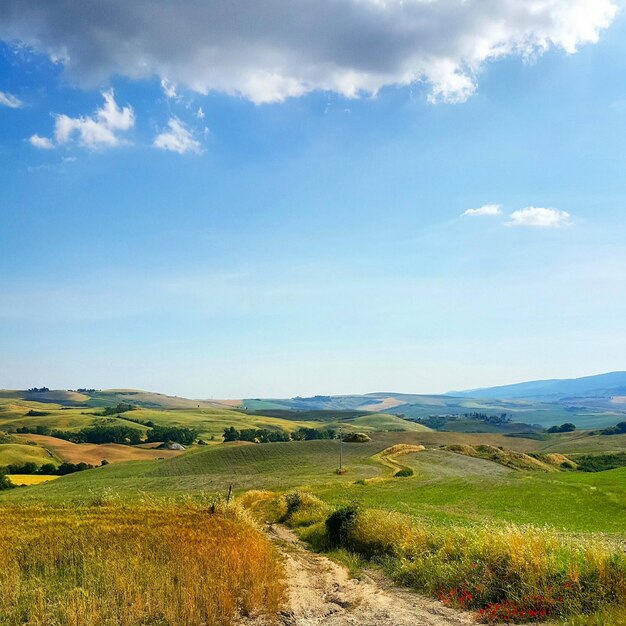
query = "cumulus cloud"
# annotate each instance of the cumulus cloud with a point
(486, 209)
(98, 131)
(268, 51)
(9, 100)
(177, 138)
(101, 130)
(541, 217)
(43, 143)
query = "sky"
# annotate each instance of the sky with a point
(316, 197)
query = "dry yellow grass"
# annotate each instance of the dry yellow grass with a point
(388, 455)
(94, 453)
(508, 458)
(30, 479)
(114, 565)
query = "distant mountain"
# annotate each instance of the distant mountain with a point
(600, 385)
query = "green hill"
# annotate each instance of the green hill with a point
(22, 453)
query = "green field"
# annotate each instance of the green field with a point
(446, 487)
(21, 453)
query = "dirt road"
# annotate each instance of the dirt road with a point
(321, 593)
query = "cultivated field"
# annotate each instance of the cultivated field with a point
(107, 564)
(94, 453)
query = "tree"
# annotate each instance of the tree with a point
(184, 436)
(568, 427)
(5, 482)
(231, 434)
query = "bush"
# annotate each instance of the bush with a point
(601, 462)
(122, 407)
(357, 438)
(5, 482)
(340, 523)
(404, 472)
(300, 508)
(618, 429)
(563, 428)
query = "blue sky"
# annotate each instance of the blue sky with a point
(235, 232)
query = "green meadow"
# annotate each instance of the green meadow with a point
(445, 487)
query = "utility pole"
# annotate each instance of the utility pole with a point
(340, 448)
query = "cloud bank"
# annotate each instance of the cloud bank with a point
(268, 51)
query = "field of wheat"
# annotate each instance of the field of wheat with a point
(114, 565)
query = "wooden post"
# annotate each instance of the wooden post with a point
(230, 493)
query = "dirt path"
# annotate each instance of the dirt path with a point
(321, 593)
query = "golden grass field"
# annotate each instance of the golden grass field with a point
(30, 479)
(113, 565)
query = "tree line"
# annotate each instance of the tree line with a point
(116, 433)
(267, 435)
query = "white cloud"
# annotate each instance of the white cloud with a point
(538, 216)
(9, 100)
(177, 139)
(200, 113)
(98, 131)
(269, 51)
(168, 88)
(101, 130)
(43, 143)
(486, 209)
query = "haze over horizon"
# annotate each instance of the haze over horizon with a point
(428, 197)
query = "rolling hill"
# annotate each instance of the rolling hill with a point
(597, 386)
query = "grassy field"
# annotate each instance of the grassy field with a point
(147, 564)
(19, 453)
(448, 492)
(504, 572)
(446, 487)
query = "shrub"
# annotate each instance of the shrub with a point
(5, 482)
(357, 438)
(563, 428)
(404, 472)
(601, 462)
(300, 508)
(618, 429)
(122, 407)
(340, 523)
